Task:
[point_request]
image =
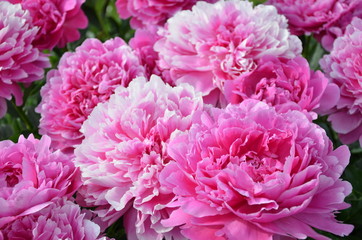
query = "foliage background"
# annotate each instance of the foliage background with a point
(104, 23)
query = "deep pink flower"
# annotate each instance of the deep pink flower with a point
(151, 12)
(58, 21)
(248, 172)
(344, 68)
(124, 151)
(60, 220)
(217, 42)
(313, 16)
(20, 62)
(32, 176)
(284, 84)
(83, 79)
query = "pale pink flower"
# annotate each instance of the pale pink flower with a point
(217, 42)
(344, 68)
(83, 79)
(284, 84)
(20, 61)
(249, 172)
(32, 176)
(124, 151)
(151, 12)
(62, 219)
(59, 21)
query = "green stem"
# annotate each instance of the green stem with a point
(36, 89)
(101, 17)
(306, 46)
(334, 139)
(23, 117)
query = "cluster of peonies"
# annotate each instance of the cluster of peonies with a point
(175, 168)
(200, 128)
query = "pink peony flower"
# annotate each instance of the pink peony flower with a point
(313, 16)
(83, 79)
(60, 220)
(32, 176)
(344, 68)
(58, 21)
(284, 84)
(328, 35)
(143, 41)
(248, 172)
(20, 62)
(217, 42)
(125, 149)
(151, 12)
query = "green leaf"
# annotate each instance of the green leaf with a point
(116, 230)
(6, 131)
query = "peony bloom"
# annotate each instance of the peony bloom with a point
(20, 62)
(283, 83)
(344, 68)
(151, 12)
(58, 21)
(248, 172)
(83, 79)
(328, 35)
(60, 220)
(324, 18)
(217, 42)
(124, 151)
(143, 41)
(32, 176)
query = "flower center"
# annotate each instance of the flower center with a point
(10, 174)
